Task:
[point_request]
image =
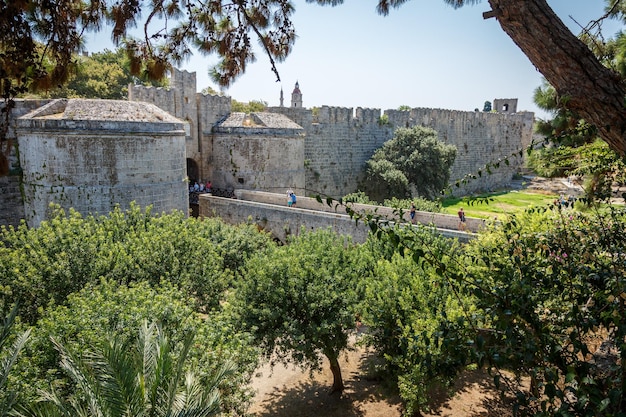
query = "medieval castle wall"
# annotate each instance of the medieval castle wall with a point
(481, 138)
(94, 155)
(11, 202)
(337, 145)
(258, 151)
(339, 142)
(200, 111)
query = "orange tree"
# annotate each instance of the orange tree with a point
(417, 322)
(43, 265)
(299, 300)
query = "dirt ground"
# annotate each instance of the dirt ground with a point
(289, 392)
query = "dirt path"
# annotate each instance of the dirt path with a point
(289, 392)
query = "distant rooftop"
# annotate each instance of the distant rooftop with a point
(259, 120)
(107, 110)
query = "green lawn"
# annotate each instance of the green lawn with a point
(486, 206)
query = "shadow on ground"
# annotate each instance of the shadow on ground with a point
(305, 395)
(364, 396)
(474, 395)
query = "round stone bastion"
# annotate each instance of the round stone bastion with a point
(94, 155)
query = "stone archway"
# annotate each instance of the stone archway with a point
(193, 172)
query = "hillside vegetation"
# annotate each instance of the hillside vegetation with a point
(539, 295)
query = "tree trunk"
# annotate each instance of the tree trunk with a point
(594, 92)
(337, 379)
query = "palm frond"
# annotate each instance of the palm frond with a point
(7, 325)
(8, 398)
(119, 380)
(51, 405)
(80, 371)
(8, 362)
(142, 379)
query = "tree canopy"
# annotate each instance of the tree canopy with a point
(103, 75)
(39, 39)
(414, 161)
(298, 301)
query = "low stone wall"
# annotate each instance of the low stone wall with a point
(280, 221)
(441, 221)
(270, 212)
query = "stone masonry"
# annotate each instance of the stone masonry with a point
(94, 155)
(338, 141)
(316, 151)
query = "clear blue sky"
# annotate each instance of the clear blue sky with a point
(423, 54)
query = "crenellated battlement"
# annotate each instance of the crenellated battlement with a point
(324, 152)
(368, 116)
(339, 140)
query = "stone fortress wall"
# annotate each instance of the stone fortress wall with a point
(11, 200)
(93, 155)
(258, 151)
(336, 144)
(200, 111)
(339, 140)
(480, 138)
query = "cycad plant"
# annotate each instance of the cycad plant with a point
(8, 357)
(140, 378)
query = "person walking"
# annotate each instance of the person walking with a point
(412, 213)
(289, 198)
(461, 214)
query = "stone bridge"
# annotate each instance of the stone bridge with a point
(269, 211)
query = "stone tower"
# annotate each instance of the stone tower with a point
(505, 105)
(296, 97)
(282, 99)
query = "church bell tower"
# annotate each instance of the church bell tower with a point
(296, 96)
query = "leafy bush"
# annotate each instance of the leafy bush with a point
(413, 161)
(551, 162)
(358, 197)
(417, 320)
(552, 286)
(10, 347)
(421, 204)
(298, 300)
(112, 309)
(43, 265)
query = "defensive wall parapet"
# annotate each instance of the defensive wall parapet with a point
(337, 146)
(211, 110)
(367, 116)
(340, 140)
(440, 220)
(269, 212)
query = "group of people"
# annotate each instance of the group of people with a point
(461, 214)
(563, 202)
(291, 198)
(200, 188)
